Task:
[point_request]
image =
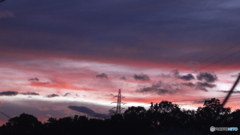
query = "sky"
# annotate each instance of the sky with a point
(61, 58)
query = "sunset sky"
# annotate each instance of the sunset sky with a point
(59, 58)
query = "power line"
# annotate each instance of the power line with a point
(219, 60)
(214, 55)
(5, 114)
(228, 63)
(210, 64)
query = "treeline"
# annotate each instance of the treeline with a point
(158, 119)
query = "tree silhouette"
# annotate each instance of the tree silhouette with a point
(24, 124)
(212, 114)
(161, 118)
(134, 113)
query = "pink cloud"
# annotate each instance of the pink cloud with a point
(58, 85)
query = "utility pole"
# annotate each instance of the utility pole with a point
(119, 102)
(231, 91)
(226, 99)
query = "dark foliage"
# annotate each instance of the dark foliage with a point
(162, 118)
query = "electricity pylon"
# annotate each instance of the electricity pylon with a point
(119, 102)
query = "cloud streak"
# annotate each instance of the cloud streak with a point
(204, 85)
(52, 95)
(176, 74)
(34, 79)
(58, 85)
(30, 93)
(187, 77)
(190, 84)
(8, 93)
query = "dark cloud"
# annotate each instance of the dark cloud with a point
(187, 77)
(208, 77)
(14, 93)
(30, 93)
(8, 93)
(52, 95)
(141, 77)
(83, 110)
(34, 79)
(188, 84)
(123, 78)
(204, 85)
(66, 94)
(200, 85)
(175, 74)
(160, 88)
(90, 112)
(103, 75)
